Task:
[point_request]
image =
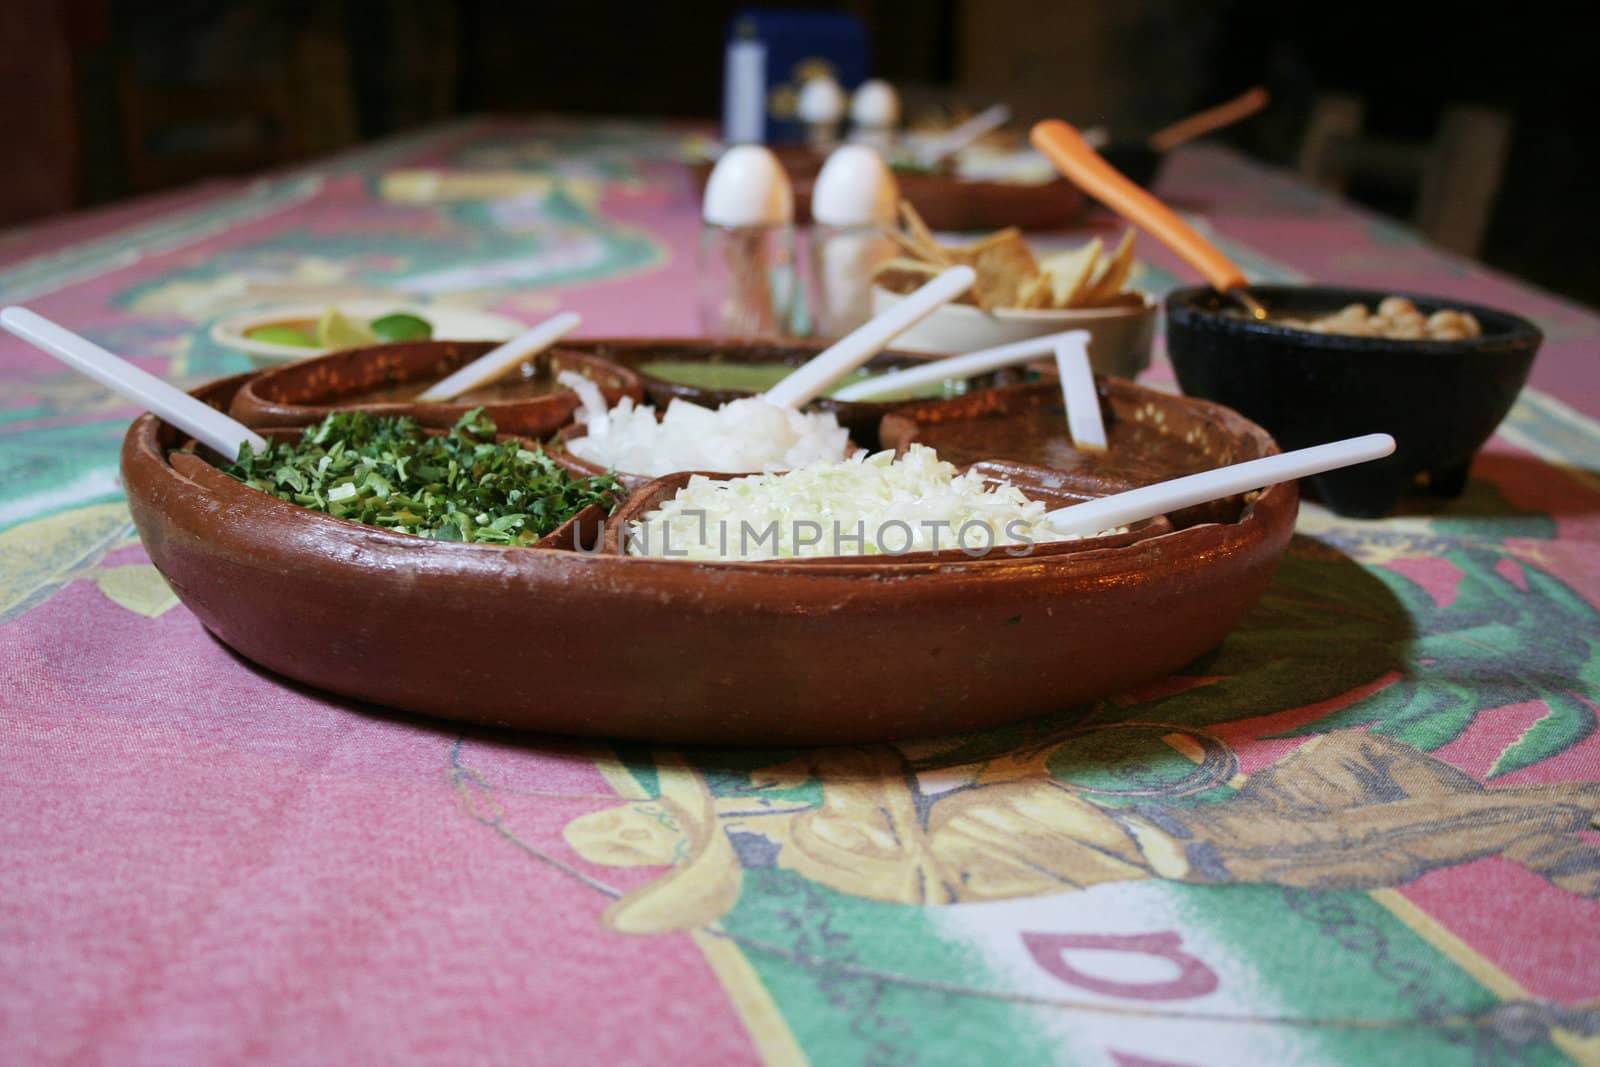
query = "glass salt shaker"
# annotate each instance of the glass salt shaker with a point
(747, 241)
(875, 115)
(821, 108)
(853, 200)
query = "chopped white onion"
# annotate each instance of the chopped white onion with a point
(741, 437)
(866, 505)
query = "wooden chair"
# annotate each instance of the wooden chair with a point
(1453, 177)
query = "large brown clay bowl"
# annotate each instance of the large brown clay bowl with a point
(355, 378)
(671, 651)
(860, 417)
(944, 201)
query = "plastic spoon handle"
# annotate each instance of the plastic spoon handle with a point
(861, 344)
(1210, 120)
(497, 361)
(1120, 509)
(961, 136)
(202, 422)
(1071, 154)
(1078, 393)
(953, 368)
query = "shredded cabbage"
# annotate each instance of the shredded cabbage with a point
(865, 505)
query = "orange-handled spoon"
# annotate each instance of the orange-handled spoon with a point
(1210, 120)
(1065, 147)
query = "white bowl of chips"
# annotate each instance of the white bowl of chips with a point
(1017, 297)
(1119, 337)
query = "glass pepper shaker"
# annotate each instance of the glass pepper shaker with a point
(747, 241)
(852, 202)
(821, 108)
(875, 115)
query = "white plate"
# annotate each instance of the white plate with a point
(449, 324)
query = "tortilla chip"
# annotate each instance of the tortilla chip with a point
(1004, 265)
(1115, 277)
(911, 248)
(1035, 294)
(901, 275)
(921, 238)
(1070, 273)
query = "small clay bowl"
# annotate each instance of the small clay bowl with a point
(860, 417)
(1036, 483)
(1440, 399)
(676, 652)
(305, 392)
(1153, 437)
(200, 464)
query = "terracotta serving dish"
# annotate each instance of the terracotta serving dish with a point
(1441, 400)
(665, 650)
(944, 201)
(304, 392)
(861, 418)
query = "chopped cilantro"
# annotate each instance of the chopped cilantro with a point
(388, 472)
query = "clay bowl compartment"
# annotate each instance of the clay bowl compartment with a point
(304, 392)
(198, 464)
(662, 650)
(1153, 436)
(860, 417)
(944, 201)
(1440, 399)
(1036, 483)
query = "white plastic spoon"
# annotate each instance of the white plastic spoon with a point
(953, 368)
(497, 361)
(935, 149)
(867, 340)
(1146, 502)
(1078, 393)
(204, 423)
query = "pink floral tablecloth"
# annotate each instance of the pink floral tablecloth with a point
(1361, 831)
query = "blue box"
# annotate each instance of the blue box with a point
(769, 54)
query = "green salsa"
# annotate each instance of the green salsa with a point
(759, 377)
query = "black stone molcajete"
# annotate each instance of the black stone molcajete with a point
(1441, 400)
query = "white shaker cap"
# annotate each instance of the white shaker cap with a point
(855, 188)
(821, 101)
(748, 188)
(875, 104)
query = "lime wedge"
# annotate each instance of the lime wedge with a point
(281, 335)
(336, 331)
(402, 326)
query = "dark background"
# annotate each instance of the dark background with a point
(103, 99)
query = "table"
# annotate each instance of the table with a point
(1362, 830)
